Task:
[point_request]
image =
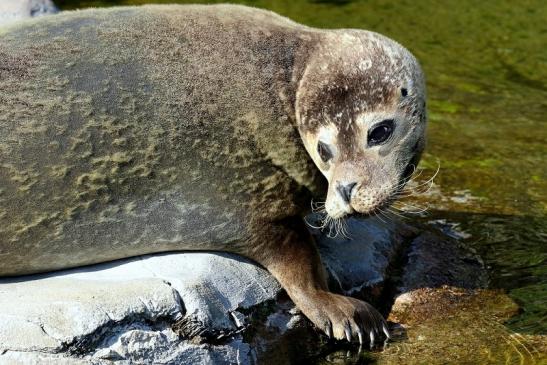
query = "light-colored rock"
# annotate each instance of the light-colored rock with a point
(162, 308)
(11, 10)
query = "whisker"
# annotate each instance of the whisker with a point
(377, 216)
(343, 228)
(383, 213)
(314, 226)
(405, 188)
(317, 206)
(432, 177)
(409, 208)
(388, 210)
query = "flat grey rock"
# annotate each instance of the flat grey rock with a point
(170, 308)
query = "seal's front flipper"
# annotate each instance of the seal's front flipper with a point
(344, 317)
(295, 263)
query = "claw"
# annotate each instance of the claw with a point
(371, 338)
(329, 329)
(386, 332)
(348, 333)
(360, 335)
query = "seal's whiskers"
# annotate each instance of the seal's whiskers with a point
(333, 226)
(404, 190)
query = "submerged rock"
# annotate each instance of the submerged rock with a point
(453, 325)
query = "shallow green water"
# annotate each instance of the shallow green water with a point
(486, 64)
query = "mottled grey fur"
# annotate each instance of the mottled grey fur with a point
(133, 130)
(136, 130)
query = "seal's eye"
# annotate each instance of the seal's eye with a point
(380, 132)
(324, 151)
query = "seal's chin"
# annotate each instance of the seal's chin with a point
(364, 212)
(341, 213)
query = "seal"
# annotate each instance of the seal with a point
(135, 130)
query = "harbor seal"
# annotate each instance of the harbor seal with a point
(135, 130)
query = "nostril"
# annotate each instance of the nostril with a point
(345, 191)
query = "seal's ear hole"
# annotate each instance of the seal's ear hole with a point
(404, 92)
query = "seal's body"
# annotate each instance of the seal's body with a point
(136, 130)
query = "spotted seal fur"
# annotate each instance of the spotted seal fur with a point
(135, 130)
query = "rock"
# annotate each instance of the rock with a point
(178, 307)
(367, 254)
(433, 260)
(450, 325)
(11, 10)
(97, 311)
(441, 306)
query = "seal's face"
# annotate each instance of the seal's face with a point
(361, 115)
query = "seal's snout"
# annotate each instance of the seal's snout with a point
(338, 203)
(345, 191)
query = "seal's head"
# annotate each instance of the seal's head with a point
(360, 109)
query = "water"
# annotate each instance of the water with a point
(486, 66)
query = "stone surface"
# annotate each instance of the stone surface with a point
(464, 326)
(176, 307)
(433, 260)
(124, 310)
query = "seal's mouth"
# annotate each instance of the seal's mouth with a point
(337, 225)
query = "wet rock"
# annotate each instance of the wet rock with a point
(442, 306)
(11, 10)
(433, 260)
(366, 253)
(178, 307)
(449, 325)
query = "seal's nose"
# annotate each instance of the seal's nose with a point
(345, 191)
